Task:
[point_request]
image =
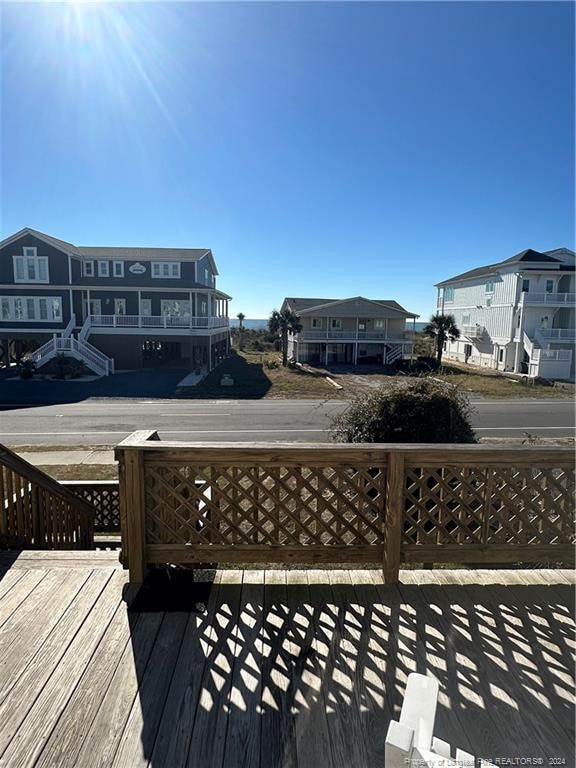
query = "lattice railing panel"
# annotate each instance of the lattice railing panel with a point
(487, 505)
(104, 496)
(264, 505)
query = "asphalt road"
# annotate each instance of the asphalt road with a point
(106, 422)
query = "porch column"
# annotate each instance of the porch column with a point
(326, 355)
(209, 354)
(355, 353)
(520, 342)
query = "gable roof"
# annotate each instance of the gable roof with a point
(527, 256)
(305, 306)
(133, 253)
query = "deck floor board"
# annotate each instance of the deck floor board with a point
(284, 668)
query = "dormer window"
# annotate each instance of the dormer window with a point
(103, 269)
(166, 270)
(88, 269)
(30, 268)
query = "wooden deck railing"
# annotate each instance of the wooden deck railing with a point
(104, 497)
(369, 503)
(37, 511)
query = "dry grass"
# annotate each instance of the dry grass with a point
(80, 471)
(488, 384)
(259, 375)
(496, 385)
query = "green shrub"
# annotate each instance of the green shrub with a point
(420, 411)
(27, 368)
(65, 367)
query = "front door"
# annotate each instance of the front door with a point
(119, 306)
(95, 306)
(146, 307)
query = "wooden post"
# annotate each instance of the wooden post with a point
(393, 516)
(37, 517)
(132, 490)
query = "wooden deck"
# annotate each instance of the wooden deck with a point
(286, 668)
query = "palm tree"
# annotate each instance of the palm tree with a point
(441, 328)
(241, 317)
(283, 323)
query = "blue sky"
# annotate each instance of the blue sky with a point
(327, 149)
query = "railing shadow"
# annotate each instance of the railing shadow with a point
(298, 673)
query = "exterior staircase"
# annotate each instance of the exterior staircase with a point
(393, 353)
(78, 348)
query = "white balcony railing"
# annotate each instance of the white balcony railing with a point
(350, 336)
(549, 298)
(557, 334)
(473, 331)
(560, 355)
(156, 321)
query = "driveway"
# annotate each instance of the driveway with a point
(148, 383)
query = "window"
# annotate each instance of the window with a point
(118, 268)
(146, 307)
(467, 350)
(119, 306)
(30, 308)
(488, 302)
(174, 307)
(207, 276)
(316, 322)
(549, 286)
(88, 269)
(500, 355)
(204, 307)
(379, 323)
(56, 309)
(103, 269)
(525, 286)
(465, 319)
(335, 323)
(361, 326)
(448, 294)
(489, 287)
(30, 268)
(166, 269)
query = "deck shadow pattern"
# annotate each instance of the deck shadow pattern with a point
(283, 668)
(307, 673)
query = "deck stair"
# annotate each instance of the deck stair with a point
(37, 511)
(78, 347)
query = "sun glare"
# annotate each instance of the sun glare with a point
(113, 50)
